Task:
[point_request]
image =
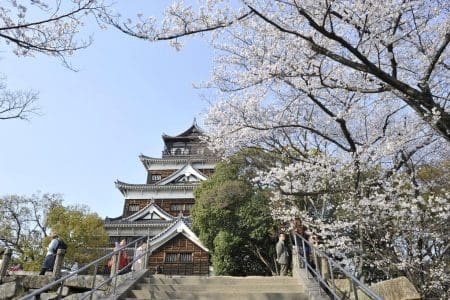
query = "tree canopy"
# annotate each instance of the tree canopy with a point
(81, 229)
(27, 221)
(331, 55)
(232, 218)
(23, 225)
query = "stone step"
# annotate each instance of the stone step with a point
(225, 295)
(220, 287)
(223, 280)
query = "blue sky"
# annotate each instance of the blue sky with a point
(95, 122)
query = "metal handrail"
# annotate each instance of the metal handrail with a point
(355, 283)
(95, 263)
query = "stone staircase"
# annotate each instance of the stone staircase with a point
(220, 288)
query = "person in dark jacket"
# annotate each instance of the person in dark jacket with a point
(49, 260)
(282, 254)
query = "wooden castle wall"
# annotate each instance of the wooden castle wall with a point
(179, 247)
(165, 204)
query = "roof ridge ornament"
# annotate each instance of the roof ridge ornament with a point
(193, 130)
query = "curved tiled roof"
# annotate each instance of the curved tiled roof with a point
(140, 223)
(120, 222)
(178, 159)
(151, 187)
(194, 129)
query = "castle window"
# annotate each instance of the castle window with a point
(133, 207)
(171, 258)
(183, 257)
(177, 207)
(180, 151)
(181, 207)
(156, 177)
(186, 257)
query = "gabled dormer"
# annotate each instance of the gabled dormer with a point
(179, 227)
(186, 175)
(151, 212)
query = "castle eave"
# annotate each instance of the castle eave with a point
(182, 159)
(136, 225)
(151, 187)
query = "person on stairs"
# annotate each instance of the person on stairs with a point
(49, 260)
(139, 258)
(123, 259)
(282, 255)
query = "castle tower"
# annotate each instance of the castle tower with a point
(161, 207)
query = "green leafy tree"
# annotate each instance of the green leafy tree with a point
(23, 228)
(81, 229)
(227, 254)
(231, 216)
(435, 176)
(27, 221)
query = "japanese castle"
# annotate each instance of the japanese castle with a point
(161, 207)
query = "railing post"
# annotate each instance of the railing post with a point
(331, 275)
(93, 281)
(316, 261)
(134, 261)
(324, 268)
(60, 290)
(5, 262)
(305, 260)
(296, 258)
(355, 290)
(147, 252)
(114, 264)
(58, 263)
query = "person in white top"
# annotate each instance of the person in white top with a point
(49, 260)
(139, 264)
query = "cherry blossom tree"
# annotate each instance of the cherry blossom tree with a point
(349, 196)
(42, 27)
(388, 51)
(47, 27)
(16, 104)
(350, 98)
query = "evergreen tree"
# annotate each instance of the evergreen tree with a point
(231, 216)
